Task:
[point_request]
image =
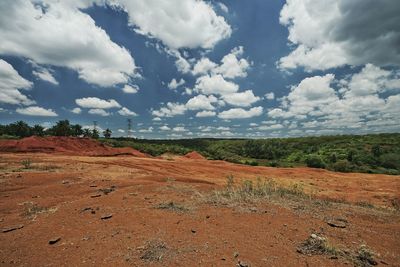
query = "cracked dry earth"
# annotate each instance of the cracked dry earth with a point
(63, 210)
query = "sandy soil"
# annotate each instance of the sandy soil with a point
(65, 196)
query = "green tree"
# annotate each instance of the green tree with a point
(76, 130)
(62, 128)
(20, 129)
(3, 129)
(87, 133)
(38, 130)
(107, 133)
(350, 155)
(376, 151)
(95, 134)
(333, 158)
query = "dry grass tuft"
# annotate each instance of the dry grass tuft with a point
(317, 245)
(154, 250)
(364, 257)
(32, 210)
(172, 206)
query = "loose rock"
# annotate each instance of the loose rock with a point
(54, 240)
(107, 216)
(12, 228)
(338, 223)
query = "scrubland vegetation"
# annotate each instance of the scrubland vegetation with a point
(373, 153)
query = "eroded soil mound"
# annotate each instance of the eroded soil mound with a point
(194, 155)
(66, 145)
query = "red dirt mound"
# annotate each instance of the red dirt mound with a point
(194, 155)
(65, 145)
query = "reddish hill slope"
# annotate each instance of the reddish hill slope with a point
(65, 145)
(194, 155)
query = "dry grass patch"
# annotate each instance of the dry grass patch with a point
(248, 192)
(317, 245)
(154, 250)
(32, 210)
(364, 257)
(172, 206)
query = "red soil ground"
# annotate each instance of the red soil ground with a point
(65, 145)
(194, 155)
(64, 195)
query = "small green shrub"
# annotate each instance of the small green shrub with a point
(273, 164)
(315, 161)
(251, 162)
(342, 166)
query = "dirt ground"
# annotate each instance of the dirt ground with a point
(130, 211)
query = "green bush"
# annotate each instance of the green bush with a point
(273, 164)
(390, 161)
(342, 166)
(315, 161)
(251, 162)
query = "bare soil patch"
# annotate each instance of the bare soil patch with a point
(151, 212)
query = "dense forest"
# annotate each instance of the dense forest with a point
(372, 153)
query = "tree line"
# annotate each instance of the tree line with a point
(61, 128)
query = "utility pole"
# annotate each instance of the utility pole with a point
(94, 125)
(129, 128)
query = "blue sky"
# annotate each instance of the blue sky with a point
(188, 68)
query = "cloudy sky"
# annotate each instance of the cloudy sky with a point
(192, 68)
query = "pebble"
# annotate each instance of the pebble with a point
(243, 264)
(314, 236)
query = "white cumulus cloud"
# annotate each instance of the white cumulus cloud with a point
(126, 112)
(333, 33)
(130, 89)
(173, 84)
(170, 110)
(97, 103)
(201, 102)
(10, 84)
(242, 99)
(177, 23)
(57, 33)
(36, 111)
(205, 113)
(76, 110)
(45, 75)
(99, 111)
(215, 84)
(240, 113)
